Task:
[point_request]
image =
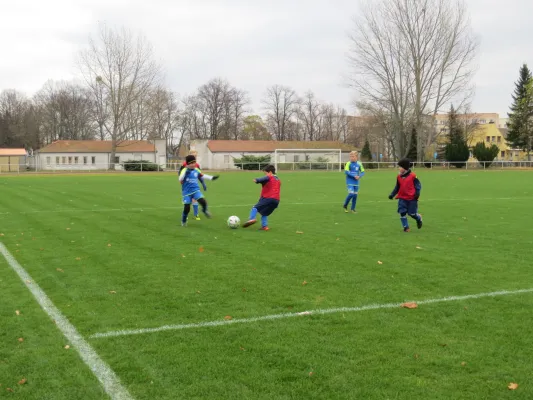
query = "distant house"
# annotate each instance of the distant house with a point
(96, 154)
(220, 154)
(13, 160)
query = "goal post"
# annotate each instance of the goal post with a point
(308, 159)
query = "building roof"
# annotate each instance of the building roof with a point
(268, 146)
(12, 152)
(98, 146)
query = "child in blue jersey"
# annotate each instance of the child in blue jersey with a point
(190, 189)
(354, 171)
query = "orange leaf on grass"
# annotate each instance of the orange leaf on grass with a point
(379, 262)
(201, 249)
(410, 305)
(304, 283)
(22, 381)
(513, 386)
(59, 270)
(78, 258)
(20, 339)
(463, 364)
(109, 245)
(10, 390)
(67, 347)
(228, 317)
(17, 312)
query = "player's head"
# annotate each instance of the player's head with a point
(193, 153)
(354, 156)
(404, 165)
(191, 161)
(269, 169)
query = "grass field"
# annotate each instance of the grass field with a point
(109, 252)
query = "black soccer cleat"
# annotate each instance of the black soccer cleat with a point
(419, 223)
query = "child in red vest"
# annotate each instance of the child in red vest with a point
(269, 199)
(407, 191)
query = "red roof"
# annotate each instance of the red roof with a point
(12, 152)
(98, 146)
(268, 146)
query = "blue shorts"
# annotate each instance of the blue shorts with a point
(266, 207)
(187, 199)
(352, 189)
(407, 206)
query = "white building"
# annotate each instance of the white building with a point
(220, 154)
(95, 154)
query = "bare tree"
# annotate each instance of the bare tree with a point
(18, 120)
(411, 58)
(164, 111)
(281, 105)
(119, 69)
(310, 114)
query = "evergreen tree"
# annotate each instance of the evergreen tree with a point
(456, 150)
(520, 125)
(485, 154)
(366, 154)
(412, 154)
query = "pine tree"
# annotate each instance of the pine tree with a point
(485, 154)
(412, 153)
(519, 125)
(366, 154)
(456, 150)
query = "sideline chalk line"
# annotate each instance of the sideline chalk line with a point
(128, 332)
(99, 368)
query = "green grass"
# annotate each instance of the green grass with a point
(83, 238)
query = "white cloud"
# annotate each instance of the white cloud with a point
(253, 44)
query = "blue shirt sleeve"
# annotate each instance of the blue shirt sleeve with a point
(262, 180)
(418, 187)
(396, 189)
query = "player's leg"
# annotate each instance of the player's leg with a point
(413, 213)
(252, 219)
(195, 209)
(268, 208)
(402, 210)
(354, 197)
(348, 198)
(186, 210)
(200, 199)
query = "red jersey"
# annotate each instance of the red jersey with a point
(271, 187)
(407, 187)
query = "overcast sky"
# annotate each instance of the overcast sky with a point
(253, 44)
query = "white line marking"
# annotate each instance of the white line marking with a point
(298, 314)
(100, 369)
(237, 205)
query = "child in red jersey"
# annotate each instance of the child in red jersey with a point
(407, 191)
(269, 199)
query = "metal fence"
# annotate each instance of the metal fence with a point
(296, 166)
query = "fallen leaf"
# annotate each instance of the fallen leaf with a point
(68, 229)
(410, 305)
(419, 248)
(28, 281)
(228, 317)
(311, 373)
(299, 232)
(112, 292)
(338, 239)
(197, 292)
(183, 255)
(379, 262)
(10, 390)
(67, 347)
(21, 339)
(416, 356)
(242, 348)
(244, 289)
(304, 283)
(78, 258)
(463, 364)
(109, 245)
(41, 249)
(22, 381)
(17, 312)
(1, 234)
(460, 239)
(59, 270)
(443, 344)
(201, 249)
(513, 386)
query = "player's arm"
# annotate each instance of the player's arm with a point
(361, 170)
(261, 180)
(201, 179)
(183, 174)
(205, 176)
(418, 188)
(395, 191)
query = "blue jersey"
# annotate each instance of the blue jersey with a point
(351, 170)
(189, 180)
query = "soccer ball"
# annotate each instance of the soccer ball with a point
(234, 222)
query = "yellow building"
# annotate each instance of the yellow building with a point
(491, 134)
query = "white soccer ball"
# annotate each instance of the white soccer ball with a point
(234, 222)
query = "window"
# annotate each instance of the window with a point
(488, 139)
(57, 160)
(93, 160)
(63, 160)
(499, 139)
(117, 159)
(75, 160)
(503, 154)
(70, 160)
(48, 160)
(85, 159)
(226, 159)
(493, 138)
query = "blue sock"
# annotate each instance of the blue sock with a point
(195, 208)
(253, 213)
(264, 221)
(403, 218)
(348, 198)
(354, 200)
